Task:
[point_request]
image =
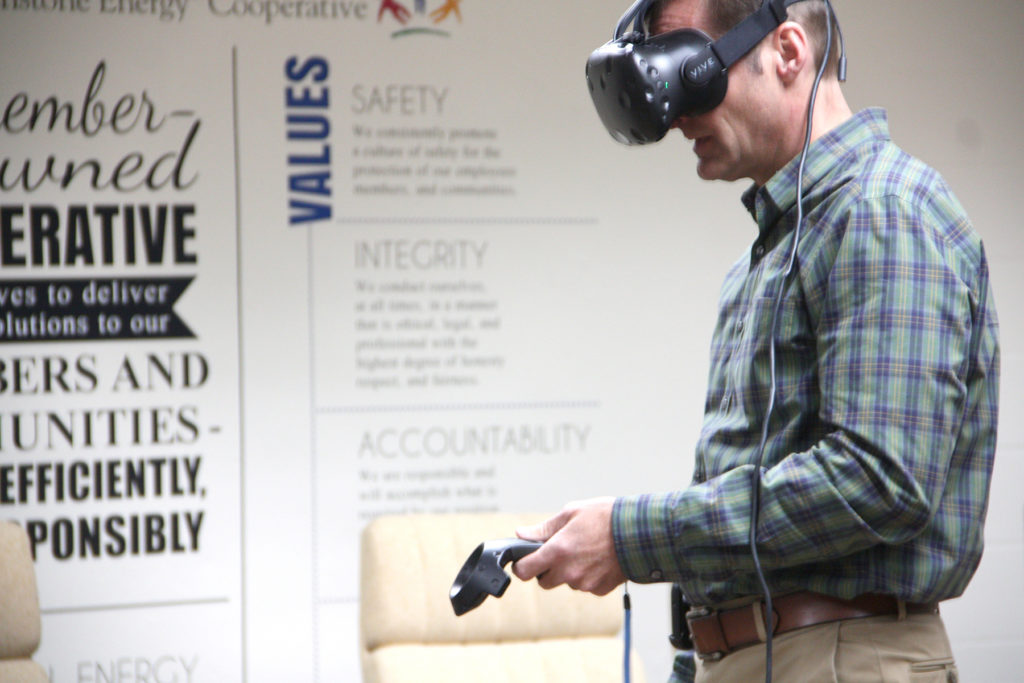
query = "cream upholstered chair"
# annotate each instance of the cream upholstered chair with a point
(409, 631)
(20, 626)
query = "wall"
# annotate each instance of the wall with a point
(504, 310)
(959, 115)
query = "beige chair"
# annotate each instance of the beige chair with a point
(20, 625)
(409, 631)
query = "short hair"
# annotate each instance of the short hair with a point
(811, 14)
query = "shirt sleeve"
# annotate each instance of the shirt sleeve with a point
(894, 323)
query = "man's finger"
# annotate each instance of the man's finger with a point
(532, 565)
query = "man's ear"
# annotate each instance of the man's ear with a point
(792, 51)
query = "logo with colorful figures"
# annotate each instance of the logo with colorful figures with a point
(416, 18)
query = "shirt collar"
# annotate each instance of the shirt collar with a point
(775, 198)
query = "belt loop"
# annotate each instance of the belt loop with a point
(901, 610)
(757, 609)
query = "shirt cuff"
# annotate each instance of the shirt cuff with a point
(642, 531)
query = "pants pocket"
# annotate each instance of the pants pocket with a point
(934, 671)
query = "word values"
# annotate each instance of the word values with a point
(308, 132)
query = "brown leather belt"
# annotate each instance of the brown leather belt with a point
(716, 633)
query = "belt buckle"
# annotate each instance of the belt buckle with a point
(702, 616)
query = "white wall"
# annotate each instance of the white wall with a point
(947, 73)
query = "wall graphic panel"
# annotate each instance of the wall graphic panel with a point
(119, 347)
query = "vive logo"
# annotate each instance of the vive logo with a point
(418, 20)
(701, 71)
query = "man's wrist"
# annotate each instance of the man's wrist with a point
(641, 531)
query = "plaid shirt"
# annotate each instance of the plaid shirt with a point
(880, 449)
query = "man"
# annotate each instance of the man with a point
(879, 450)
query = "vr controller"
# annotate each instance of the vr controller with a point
(482, 574)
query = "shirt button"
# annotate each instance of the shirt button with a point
(759, 251)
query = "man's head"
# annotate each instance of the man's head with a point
(723, 15)
(760, 124)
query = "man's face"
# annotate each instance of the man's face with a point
(734, 140)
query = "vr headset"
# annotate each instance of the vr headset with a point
(641, 83)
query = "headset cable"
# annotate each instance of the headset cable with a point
(755, 504)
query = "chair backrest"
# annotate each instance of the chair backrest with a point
(20, 624)
(409, 631)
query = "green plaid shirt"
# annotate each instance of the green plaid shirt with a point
(880, 449)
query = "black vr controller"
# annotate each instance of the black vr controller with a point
(482, 572)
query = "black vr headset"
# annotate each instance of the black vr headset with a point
(641, 83)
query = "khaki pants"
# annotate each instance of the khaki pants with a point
(876, 649)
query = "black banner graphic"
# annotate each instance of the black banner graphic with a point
(91, 309)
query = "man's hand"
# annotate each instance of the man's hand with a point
(578, 549)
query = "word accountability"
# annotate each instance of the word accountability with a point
(437, 441)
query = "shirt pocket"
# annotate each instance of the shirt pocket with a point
(794, 351)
